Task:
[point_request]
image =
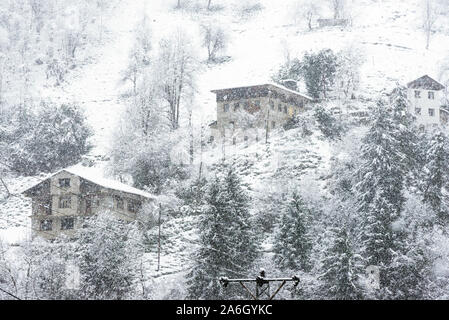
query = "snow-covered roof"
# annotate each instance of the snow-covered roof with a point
(425, 82)
(272, 84)
(92, 175)
(290, 90)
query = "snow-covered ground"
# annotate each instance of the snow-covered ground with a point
(388, 32)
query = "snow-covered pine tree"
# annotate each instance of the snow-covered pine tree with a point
(108, 251)
(434, 177)
(380, 193)
(293, 242)
(341, 267)
(228, 246)
(327, 123)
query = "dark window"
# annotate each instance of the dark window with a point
(65, 202)
(226, 107)
(431, 112)
(417, 110)
(88, 205)
(431, 95)
(64, 183)
(119, 203)
(272, 104)
(46, 225)
(234, 141)
(211, 139)
(134, 205)
(417, 94)
(285, 109)
(280, 108)
(67, 223)
(236, 106)
(245, 138)
(231, 123)
(273, 124)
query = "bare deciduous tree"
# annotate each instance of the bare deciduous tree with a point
(305, 10)
(139, 55)
(430, 16)
(178, 64)
(338, 8)
(214, 40)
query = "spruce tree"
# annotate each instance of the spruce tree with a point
(293, 242)
(341, 267)
(108, 251)
(434, 175)
(380, 191)
(228, 245)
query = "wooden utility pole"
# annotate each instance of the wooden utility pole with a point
(262, 285)
(159, 240)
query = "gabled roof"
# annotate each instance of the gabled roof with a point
(427, 83)
(275, 85)
(92, 175)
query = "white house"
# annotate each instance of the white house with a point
(426, 97)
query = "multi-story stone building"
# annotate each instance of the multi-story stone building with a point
(426, 97)
(60, 202)
(246, 113)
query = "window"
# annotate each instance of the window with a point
(417, 110)
(64, 183)
(46, 225)
(417, 94)
(67, 223)
(431, 95)
(257, 103)
(431, 112)
(273, 124)
(134, 205)
(272, 104)
(245, 138)
(236, 106)
(211, 139)
(285, 109)
(119, 203)
(88, 205)
(231, 124)
(234, 141)
(280, 108)
(246, 105)
(65, 202)
(226, 107)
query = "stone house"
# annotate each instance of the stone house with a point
(248, 113)
(61, 201)
(426, 97)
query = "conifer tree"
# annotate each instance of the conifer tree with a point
(228, 246)
(293, 242)
(434, 175)
(341, 267)
(108, 251)
(380, 193)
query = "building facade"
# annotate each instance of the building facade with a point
(248, 113)
(60, 202)
(426, 97)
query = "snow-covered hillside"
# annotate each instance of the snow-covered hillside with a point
(388, 33)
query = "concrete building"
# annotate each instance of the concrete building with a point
(248, 113)
(426, 97)
(61, 201)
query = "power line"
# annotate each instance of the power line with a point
(10, 294)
